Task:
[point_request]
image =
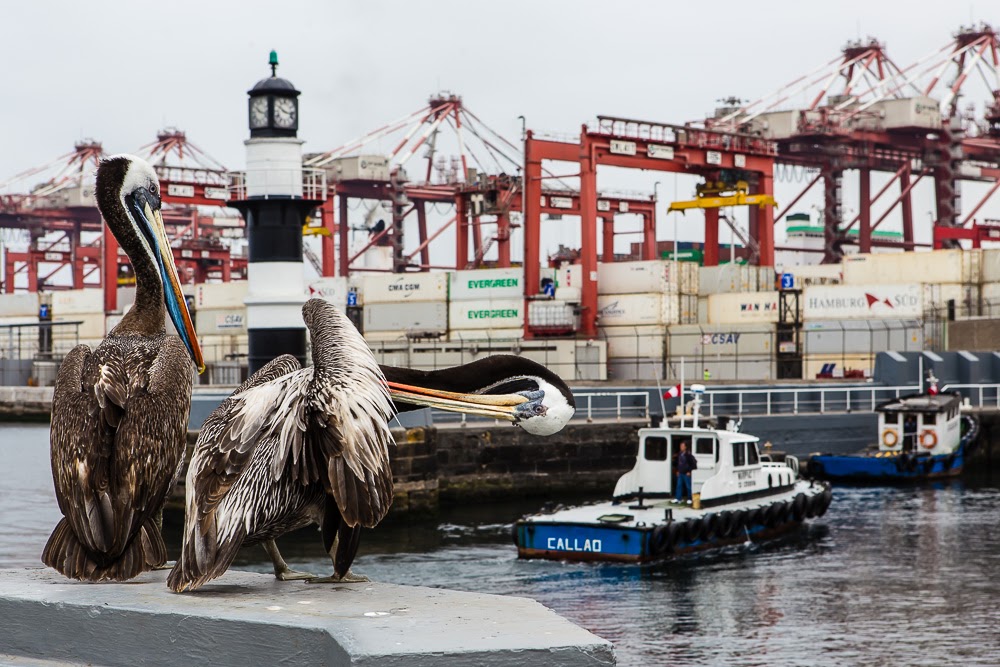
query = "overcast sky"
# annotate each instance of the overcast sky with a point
(120, 71)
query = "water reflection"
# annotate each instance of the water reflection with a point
(905, 576)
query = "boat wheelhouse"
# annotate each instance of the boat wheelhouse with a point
(921, 436)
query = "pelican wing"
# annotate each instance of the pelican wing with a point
(232, 433)
(119, 420)
(348, 420)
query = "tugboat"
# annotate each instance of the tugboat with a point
(737, 495)
(922, 436)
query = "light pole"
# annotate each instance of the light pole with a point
(656, 201)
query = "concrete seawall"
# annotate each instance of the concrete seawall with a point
(246, 619)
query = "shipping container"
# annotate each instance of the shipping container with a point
(743, 307)
(569, 294)
(861, 336)
(990, 265)
(220, 295)
(552, 315)
(92, 325)
(78, 301)
(19, 305)
(843, 302)
(729, 278)
(659, 275)
(359, 167)
(224, 347)
(333, 289)
(814, 274)
(688, 308)
(646, 342)
(400, 287)
(486, 285)
(458, 335)
(615, 310)
(720, 340)
(702, 310)
(991, 299)
(839, 365)
(220, 321)
(907, 112)
(502, 314)
(418, 317)
(937, 266)
(965, 301)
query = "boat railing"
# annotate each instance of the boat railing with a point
(793, 400)
(979, 395)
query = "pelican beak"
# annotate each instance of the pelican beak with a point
(509, 407)
(173, 297)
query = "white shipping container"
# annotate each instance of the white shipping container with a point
(569, 294)
(647, 276)
(991, 299)
(698, 341)
(19, 305)
(220, 321)
(861, 336)
(92, 325)
(406, 316)
(991, 265)
(220, 295)
(920, 111)
(647, 341)
(332, 289)
(480, 335)
(486, 284)
(78, 301)
(937, 266)
(844, 302)
(729, 278)
(636, 309)
(501, 314)
(745, 307)
(400, 287)
(551, 314)
(966, 298)
(814, 274)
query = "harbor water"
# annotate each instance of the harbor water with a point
(889, 576)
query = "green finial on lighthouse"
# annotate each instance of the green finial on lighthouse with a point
(273, 62)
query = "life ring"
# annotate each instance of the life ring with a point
(890, 438)
(928, 436)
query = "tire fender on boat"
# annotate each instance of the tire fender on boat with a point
(663, 538)
(726, 525)
(740, 521)
(928, 439)
(709, 526)
(799, 506)
(692, 530)
(776, 514)
(825, 499)
(812, 505)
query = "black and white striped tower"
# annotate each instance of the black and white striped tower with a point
(274, 208)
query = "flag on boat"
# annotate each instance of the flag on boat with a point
(673, 392)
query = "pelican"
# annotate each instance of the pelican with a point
(295, 446)
(120, 412)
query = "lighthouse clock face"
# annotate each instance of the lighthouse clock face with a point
(258, 113)
(285, 113)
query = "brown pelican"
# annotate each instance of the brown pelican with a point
(294, 446)
(120, 412)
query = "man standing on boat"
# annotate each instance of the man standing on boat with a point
(686, 462)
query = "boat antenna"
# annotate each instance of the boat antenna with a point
(659, 390)
(697, 390)
(683, 407)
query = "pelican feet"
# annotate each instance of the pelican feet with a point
(349, 578)
(288, 574)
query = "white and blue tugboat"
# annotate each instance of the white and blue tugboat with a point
(738, 495)
(922, 436)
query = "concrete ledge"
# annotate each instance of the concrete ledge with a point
(251, 619)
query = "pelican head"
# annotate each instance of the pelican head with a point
(128, 195)
(503, 387)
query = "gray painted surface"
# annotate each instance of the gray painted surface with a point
(806, 434)
(247, 619)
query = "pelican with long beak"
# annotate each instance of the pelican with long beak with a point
(120, 412)
(296, 446)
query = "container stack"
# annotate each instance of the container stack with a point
(220, 319)
(486, 304)
(85, 306)
(730, 279)
(742, 352)
(404, 306)
(636, 302)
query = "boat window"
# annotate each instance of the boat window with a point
(705, 446)
(930, 419)
(891, 419)
(656, 448)
(739, 454)
(752, 456)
